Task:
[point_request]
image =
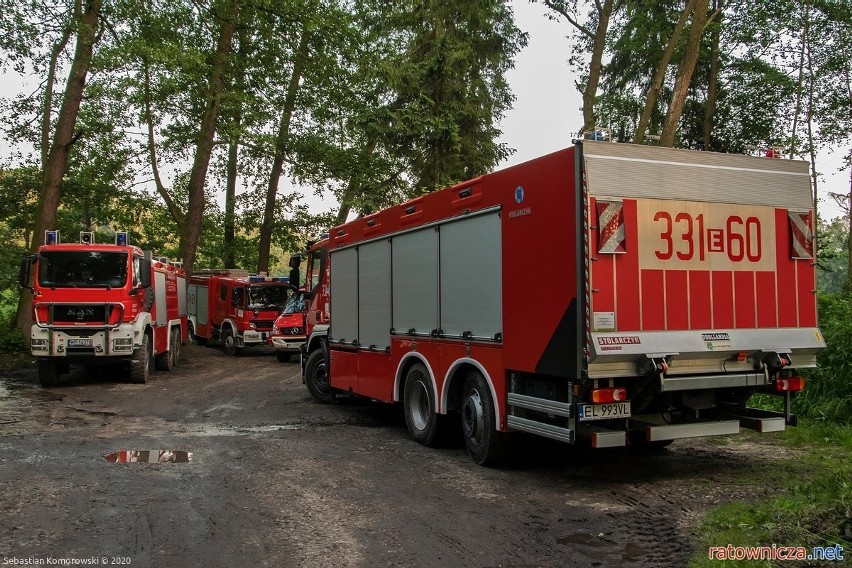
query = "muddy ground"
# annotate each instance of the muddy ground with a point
(276, 479)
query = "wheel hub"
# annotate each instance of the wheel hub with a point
(472, 416)
(419, 404)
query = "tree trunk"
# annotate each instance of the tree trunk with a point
(63, 138)
(354, 186)
(590, 91)
(712, 82)
(805, 26)
(281, 143)
(660, 73)
(228, 258)
(684, 74)
(48, 95)
(598, 37)
(198, 175)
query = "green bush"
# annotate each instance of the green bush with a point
(11, 340)
(828, 392)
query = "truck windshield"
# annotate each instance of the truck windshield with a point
(267, 297)
(296, 304)
(82, 269)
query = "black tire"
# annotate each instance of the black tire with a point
(229, 343)
(140, 363)
(48, 372)
(163, 361)
(418, 403)
(485, 444)
(283, 356)
(176, 347)
(316, 378)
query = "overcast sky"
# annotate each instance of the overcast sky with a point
(546, 113)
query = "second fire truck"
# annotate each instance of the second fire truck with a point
(234, 307)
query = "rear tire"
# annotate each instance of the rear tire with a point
(316, 378)
(419, 406)
(140, 364)
(165, 361)
(48, 372)
(283, 356)
(229, 343)
(485, 444)
(176, 348)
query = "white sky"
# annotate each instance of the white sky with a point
(546, 113)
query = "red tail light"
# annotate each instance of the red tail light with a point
(790, 384)
(609, 395)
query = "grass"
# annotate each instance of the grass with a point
(809, 501)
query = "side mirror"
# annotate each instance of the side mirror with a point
(145, 273)
(295, 262)
(26, 267)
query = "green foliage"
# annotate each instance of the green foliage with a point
(833, 255)
(808, 502)
(828, 392)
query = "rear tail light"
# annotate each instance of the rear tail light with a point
(790, 384)
(609, 395)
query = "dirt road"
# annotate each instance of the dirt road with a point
(276, 479)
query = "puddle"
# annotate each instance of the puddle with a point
(582, 539)
(150, 456)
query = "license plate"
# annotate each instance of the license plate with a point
(292, 345)
(587, 412)
(80, 342)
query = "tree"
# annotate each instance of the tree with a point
(593, 31)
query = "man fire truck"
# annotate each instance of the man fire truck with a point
(607, 293)
(234, 307)
(93, 302)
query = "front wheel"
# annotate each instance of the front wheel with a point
(419, 406)
(283, 356)
(316, 377)
(48, 372)
(229, 343)
(485, 444)
(140, 364)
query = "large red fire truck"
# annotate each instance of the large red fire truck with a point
(93, 302)
(234, 307)
(614, 294)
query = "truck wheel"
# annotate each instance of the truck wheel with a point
(485, 444)
(176, 347)
(283, 356)
(229, 343)
(164, 361)
(48, 372)
(418, 403)
(194, 338)
(140, 364)
(316, 378)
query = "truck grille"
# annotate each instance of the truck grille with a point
(79, 313)
(262, 324)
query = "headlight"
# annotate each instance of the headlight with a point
(274, 328)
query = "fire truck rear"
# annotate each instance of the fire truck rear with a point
(611, 294)
(234, 307)
(95, 302)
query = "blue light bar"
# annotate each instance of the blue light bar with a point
(121, 238)
(256, 279)
(281, 279)
(51, 237)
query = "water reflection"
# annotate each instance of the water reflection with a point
(150, 456)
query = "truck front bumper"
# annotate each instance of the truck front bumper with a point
(82, 341)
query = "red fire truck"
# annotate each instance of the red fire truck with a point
(607, 293)
(234, 307)
(288, 331)
(92, 302)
